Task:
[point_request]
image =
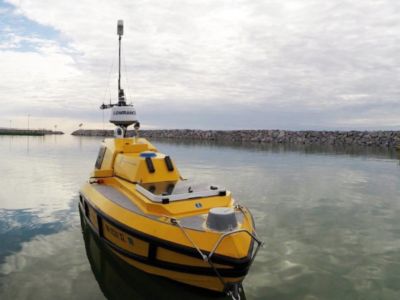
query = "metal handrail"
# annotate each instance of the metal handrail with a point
(223, 236)
(207, 258)
(176, 222)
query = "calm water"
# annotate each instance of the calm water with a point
(330, 219)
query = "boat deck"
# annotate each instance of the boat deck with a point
(195, 222)
(117, 197)
(160, 192)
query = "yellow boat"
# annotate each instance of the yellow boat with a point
(118, 280)
(140, 207)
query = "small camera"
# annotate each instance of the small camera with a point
(119, 133)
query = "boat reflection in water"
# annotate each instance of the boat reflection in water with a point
(118, 280)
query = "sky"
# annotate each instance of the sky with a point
(202, 64)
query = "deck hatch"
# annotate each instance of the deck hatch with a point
(181, 190)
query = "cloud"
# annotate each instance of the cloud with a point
(260, 64)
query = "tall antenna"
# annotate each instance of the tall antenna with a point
(121, 95)
(122, 114)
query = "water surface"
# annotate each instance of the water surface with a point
(329, 218)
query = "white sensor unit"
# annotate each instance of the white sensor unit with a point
(123, 115)
(120, 27)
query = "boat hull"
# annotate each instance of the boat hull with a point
(161, 257)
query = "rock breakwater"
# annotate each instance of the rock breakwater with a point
(389, 139)
(37, 132)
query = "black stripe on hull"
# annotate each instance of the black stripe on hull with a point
(217, 258)
(236, 271)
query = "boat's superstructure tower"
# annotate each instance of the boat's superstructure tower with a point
(122, 114)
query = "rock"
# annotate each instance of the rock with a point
(373, 138)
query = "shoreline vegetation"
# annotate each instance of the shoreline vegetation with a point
(389, 139)
(33, 132)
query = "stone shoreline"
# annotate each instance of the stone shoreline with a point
(389, 139)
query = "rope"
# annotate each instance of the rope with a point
(109, 79)
(126, 76)
(203, 256)
(176, 222)
(234, 294)
(103, 117)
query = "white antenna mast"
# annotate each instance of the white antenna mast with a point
(122, 114)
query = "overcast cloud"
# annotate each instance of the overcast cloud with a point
(214, 64)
